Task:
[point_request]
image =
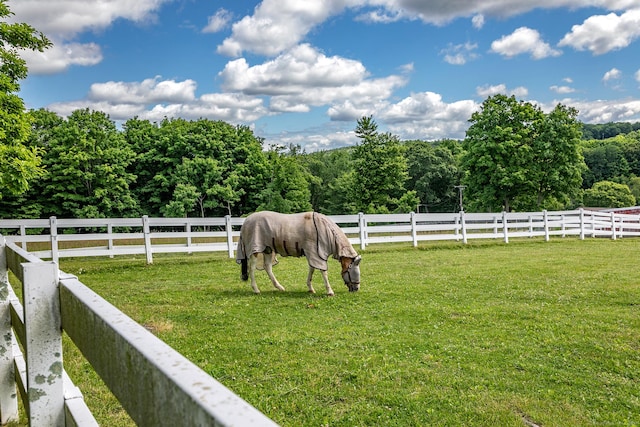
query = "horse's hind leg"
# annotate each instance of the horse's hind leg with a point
(253, 261)
(268, 263)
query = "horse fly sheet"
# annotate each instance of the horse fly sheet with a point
(308, 234)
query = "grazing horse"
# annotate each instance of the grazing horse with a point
(308, 234)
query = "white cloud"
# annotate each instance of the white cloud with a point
(63, 20)
(292, 72)
(218, 22)
(119, 111)
(304, 77)
(148, 91)
(61, 56)
(230, 107)
(562, 89)
(460, 54)
(604, 33)
(612, 74)
(604, 111)
(490, 90)
(421, 115)
(523, 40)
(66, 18)
(478, 21)
(277, 25)
(441, 12)
(431, 118)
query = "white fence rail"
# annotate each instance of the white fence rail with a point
(155, 384)
(125, 236)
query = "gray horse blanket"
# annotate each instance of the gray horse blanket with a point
(308, 234)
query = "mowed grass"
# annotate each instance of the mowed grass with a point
(484, 334)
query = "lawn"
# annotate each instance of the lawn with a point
(525, 333)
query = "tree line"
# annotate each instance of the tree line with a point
(513, 157)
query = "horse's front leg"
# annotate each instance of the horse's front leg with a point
(268, 263)
(309, 277)
(325, 277)
(253, 261)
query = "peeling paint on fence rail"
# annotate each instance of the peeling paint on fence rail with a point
(155, 384)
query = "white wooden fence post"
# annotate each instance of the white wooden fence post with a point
(43, 336)
(463, 227)
(8, 394)
(564, 227)
(146, 230)
(613, 226)
(187, 229)
(414, 232)
(110, 241)
(362, 223)
(53, 232)
(582, 230)
(505, 227)
(23, 235)
(530, 226)
(229, 228)
(456, 230)
(546, 225)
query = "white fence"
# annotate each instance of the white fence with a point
(155, 384)
(124, 236)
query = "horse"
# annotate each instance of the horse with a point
(309, 234)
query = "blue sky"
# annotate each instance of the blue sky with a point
(302, 72)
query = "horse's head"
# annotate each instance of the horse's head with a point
(351, 272)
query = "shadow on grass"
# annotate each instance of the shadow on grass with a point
(276, 294)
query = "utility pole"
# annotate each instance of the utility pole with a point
(460, 190)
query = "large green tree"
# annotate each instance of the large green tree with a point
(517, 157)
(557, 165)
(196, 168)
(326, 167)
(86, 159)
(433, 174)
(19, 164)
(288, 188)
(376, 183)
(605, 161)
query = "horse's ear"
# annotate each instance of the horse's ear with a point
(356, 260)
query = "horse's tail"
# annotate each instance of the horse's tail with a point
(243, 261)
(244, 270)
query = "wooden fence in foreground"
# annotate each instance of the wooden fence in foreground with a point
(126, 236)
(155, 384)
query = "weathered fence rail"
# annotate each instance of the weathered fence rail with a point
(126, 236)
(156, 385)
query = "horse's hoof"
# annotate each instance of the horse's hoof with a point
(311, 291)
(331, 294)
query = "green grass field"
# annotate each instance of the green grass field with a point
(487, 334)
